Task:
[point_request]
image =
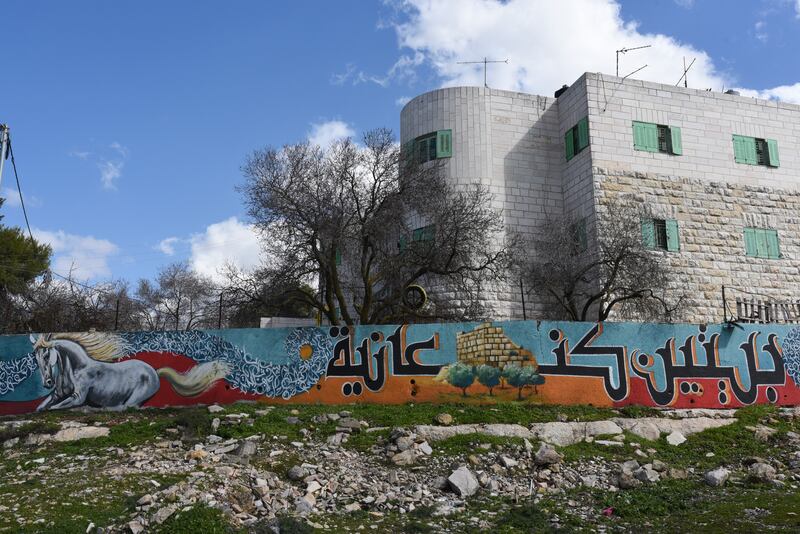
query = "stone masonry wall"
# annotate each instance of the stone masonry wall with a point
(711, 219)
(487, 344)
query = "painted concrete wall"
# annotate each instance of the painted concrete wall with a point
(611, 364)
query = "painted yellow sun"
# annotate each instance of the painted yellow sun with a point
(306, 351)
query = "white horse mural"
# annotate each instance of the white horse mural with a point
(82, 369)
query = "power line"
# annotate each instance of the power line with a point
(19, 189)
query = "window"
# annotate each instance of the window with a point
(755, 151)
(425, 233)
(432, 146)
(580, 236)
(338, 257)
(657, 138)
(761, 243)
(576, 138)
(660, 234)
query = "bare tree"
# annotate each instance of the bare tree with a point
(587, 280)
(180, 299)
(362, 226)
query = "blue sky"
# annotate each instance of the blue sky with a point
(130, 120)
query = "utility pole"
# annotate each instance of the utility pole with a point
(3, 148)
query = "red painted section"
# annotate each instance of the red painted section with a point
(220, 392)
(18, 407)
(788, 395)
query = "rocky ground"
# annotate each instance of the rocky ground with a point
(511, 467)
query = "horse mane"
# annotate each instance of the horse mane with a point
(98, 345)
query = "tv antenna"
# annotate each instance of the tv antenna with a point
(624, 50)
(685, 70)
(485, 62)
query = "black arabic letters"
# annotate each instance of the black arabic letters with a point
(746, 391)
(404, 355)
(372, 366)
(584, 347)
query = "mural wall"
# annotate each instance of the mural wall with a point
(608, 364)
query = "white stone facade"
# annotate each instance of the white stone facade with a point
(514, 142)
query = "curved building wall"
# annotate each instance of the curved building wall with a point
(509, 141)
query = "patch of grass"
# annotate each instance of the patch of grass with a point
(691, 506)
(525, 517)
(636, 411)
(75, 501)
(23, 431)
(468, 444)
(199, 518)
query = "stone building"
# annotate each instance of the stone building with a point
(719, 172)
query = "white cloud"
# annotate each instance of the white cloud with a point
(109, 160)
(109, 172)
(167, 246)
(228, 241)
(547, 44)
(325, 133)
(12, 199)
(544, 47)
(688, 4)
(85, 256)
(402, 101)
(797, 8)
(786, 93)
(761, 31)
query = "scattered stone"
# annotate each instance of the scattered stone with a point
(547, 455)
(646, 474)
(463, 482)
(296, 473)
(83, 432)
(145, 500)
(425, 449)
(762, 472)
(135, 527)
(717, 477)
(676, 438)
(407, 457)
(508, 462)
(215, 409)
(444, 419)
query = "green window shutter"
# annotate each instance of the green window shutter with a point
(676, 141)
(648, 233)
(673, 243)
(401, 244)
(773, 250)
(338, 257)
(761, 243)
(750, 247)
(569, 144)
(428, 232)
(444, 143)
(744, 150)
(772, 147)
(645, 136)
(583, 133)
(639, 137)
(740, 149)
